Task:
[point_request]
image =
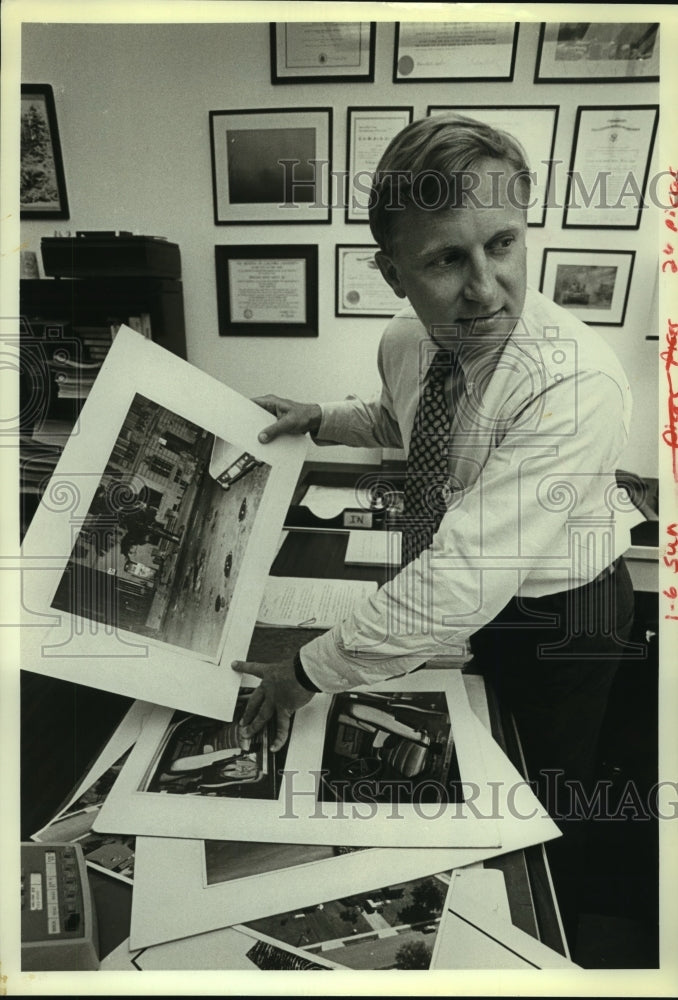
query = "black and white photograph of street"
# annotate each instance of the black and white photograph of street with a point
(162, 544)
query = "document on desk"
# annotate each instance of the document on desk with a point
(301, 602)
(374, 548)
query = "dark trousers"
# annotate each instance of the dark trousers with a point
(552, 661)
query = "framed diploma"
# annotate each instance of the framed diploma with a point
(432, 50)
(368, 131)
(312, 51)
(535, 129)
(360, 288)
(610, 164)
(271, 165)
(597, 52)
(269, 291)
(593, 284)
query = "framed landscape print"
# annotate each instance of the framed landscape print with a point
(42, 184)
(271, 166)
(597, 52)
(593, 284)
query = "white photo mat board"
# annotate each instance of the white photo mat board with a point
(77, 648)
(74, 826)
(473, 935)
(231, 948)
(178, 866)
(296, 814)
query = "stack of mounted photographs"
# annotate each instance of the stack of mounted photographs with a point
(153, 543)
(289, 903)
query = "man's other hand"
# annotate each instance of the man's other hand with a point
(279, 693)
(292, 418)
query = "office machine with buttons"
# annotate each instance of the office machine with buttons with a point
(58, 924)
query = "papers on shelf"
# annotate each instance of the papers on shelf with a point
(374, 548)
(299, 602)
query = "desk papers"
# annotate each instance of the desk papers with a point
(142, 572)
(299, 602)
(374, 548)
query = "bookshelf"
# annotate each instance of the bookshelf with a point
(67, 327)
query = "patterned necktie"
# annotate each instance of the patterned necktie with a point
(427, 478)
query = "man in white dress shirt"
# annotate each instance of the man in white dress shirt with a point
(524, 561)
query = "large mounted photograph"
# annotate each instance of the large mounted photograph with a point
(534, 126)
(161, 547)
(322, 52)
(271, 165)
(597, 52)
(42, 181)
(155, 534)
(594, 284)
(414, 735)
(267, 290)
(454, 51)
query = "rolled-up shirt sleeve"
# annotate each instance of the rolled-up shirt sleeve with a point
(541, 492)
(361, 424)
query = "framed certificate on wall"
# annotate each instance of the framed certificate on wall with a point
(368, 133)
(360, 288)
(609, 168)
(269, 291)
(440, 50)
(327, 51)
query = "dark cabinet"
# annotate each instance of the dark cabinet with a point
(67, 328)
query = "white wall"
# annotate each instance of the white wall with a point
(132, 106)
